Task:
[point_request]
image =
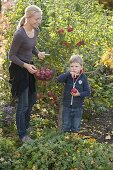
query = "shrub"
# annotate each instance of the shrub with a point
(78, 27)
(7, 149)
(63, 152)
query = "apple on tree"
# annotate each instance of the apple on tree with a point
(70, 29)
(61, 31)
(79, 43)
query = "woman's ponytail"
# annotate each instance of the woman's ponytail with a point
(21, 22)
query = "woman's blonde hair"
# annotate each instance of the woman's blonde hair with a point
(30, 10)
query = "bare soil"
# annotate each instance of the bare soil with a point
(99, 126)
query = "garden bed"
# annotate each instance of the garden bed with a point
(99, 126)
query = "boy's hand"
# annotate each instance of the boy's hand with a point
(73, 74)
(75, 94)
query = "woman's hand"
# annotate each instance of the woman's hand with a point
(41, 55)
(31, 68)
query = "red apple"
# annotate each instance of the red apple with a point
(49, 74)
(70, 29)
(79, 43)
(42, 74)
(61, 31)
(74, 90)
(37, 73)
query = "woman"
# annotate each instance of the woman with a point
(22, 69)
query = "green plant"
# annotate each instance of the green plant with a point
(56, 151)
(7, 149)
(83, 27)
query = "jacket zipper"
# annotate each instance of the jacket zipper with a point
(74, 87)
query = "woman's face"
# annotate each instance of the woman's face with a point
(35, 19)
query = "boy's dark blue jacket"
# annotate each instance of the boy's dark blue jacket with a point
(81, 85)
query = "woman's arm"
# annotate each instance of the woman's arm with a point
(14, 49)
(35, 51)
(16, 43)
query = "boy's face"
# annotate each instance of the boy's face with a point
(75, 67)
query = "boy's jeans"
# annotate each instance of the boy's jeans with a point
(24, 107)
(71, 119)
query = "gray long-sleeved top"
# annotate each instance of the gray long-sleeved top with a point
(23, 47)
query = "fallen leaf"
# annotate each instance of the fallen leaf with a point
(112, 132)
(108, 137)
(1, 130)
(92, 140)
(111, 159)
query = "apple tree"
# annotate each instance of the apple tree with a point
(76, 27)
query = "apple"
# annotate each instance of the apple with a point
(74, 90)
(80, 43)
(61, 31)
(70, 29)
(42, 74)
(37, 73)
(48, 74)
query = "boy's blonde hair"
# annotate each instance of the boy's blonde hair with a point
(30, 10)
(76, 59)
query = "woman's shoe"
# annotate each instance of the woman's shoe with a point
(26, 139)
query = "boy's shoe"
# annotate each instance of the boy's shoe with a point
(26, 139)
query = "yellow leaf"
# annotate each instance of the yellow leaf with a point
(92, 140)
(33, 168)
(67, 137)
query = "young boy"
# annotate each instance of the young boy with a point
(75, 89)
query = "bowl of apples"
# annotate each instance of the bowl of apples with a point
(44, 74)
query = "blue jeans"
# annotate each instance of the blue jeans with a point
(71, 119)
(24, 107)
